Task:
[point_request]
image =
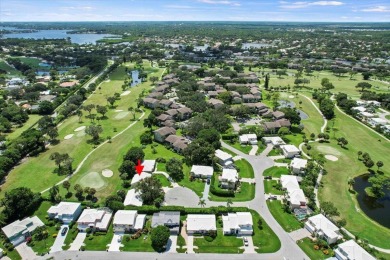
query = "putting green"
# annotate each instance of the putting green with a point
(328, 150)
(92, 180)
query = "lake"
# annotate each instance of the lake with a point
(377, 210)
(82, 38)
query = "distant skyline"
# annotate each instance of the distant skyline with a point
(195, 10)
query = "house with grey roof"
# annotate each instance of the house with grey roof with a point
(161, 134)
(170, 219)
(19, 230)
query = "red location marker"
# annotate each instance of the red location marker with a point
(139, 168)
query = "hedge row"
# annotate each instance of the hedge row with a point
(149, 210)
(220, 192)
(229, 136)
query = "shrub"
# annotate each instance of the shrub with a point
(54, 235)
(82, 248)
(316, 247)
(161, 160)
(208, 238)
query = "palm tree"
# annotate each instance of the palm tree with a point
(359, 154)
(351, 182)
(202, 203)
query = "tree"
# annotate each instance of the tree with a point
(134, 154)
(94, 131)
(40, 233)
(379, 164)
(132, 111)
(292, 115)
(283, 131)
(159, 236)
(127, 170)
(89, 108)
(153, 79)
(111, 100)
(210, 136)
(379, 185)
(53, 192)
(342, 142)
(359, 154)
(66, 185)
(79, 113)
(175, 169)
(45, 108)
(226, 97)
(151, 190)
(202, 203)
(19, 203)
(101, 110)
(366, 75)
(229, 203)
(266, 82)
(329, 209)
(146, 138)
(52, 132)
(363, 86)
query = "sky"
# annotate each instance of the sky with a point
(195, 10)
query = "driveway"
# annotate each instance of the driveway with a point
(25, 251)
(206, 192)
(59, 242)
(299, 234)
(254, 149)
(190, 244)
(250, 249)
(171, 245)
(181, 196)
(78, 242)
(115, 244)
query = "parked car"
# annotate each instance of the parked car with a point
(120, 239)
(274, 197)
(64, 230)
(267, 177)
(208, 181)
(245, 241)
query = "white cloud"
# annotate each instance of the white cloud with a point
(378, 9)
(219, 2)
(297, 5)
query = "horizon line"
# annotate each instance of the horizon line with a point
(240, 21)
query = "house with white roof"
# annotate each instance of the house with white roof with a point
(296, 199)
(322, 227)
(229, 178)
(248, 139)
(289, 182)
(128, 221)
(200, 171)
(96, 219)
(19, 230)
(239, 223)
(224, 158)
(133, 198)
(351, 250)
(298, 165)
(276, 141)
(290, 151)
(200, 223)
(376, 121)
(149, 165)
(65, 212)
(138, 177)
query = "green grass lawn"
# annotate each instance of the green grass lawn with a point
(342, 84)
(43, 246)
(142, 244)
(245, 169)
(242, 147)
(275, 152)
(227, 150)
(12, 71)
(276, 172)
(270, 187)
(99, 242)
(181, 242)
(221, 244)
(246, 193)
(32, 62)
(283, 160)
(16, 132)
(163, 180)
(308, 247)
(294, 139)
(38, 171)
(335, 186)
(286, 220)
(264, 238)
(261, 148)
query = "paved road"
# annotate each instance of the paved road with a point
(59, 242)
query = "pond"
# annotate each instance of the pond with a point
(82, 38)
(377, 210)
(135, 77)
(286, 103)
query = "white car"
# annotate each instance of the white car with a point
(120, 239)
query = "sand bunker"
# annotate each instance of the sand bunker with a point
(121, 115)
(107, 173)
(80, 128)
(328, 150)
(331, 157)
(118, 110)
(68, 137)
(291, 97)
(127, 92)
(93, 180)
